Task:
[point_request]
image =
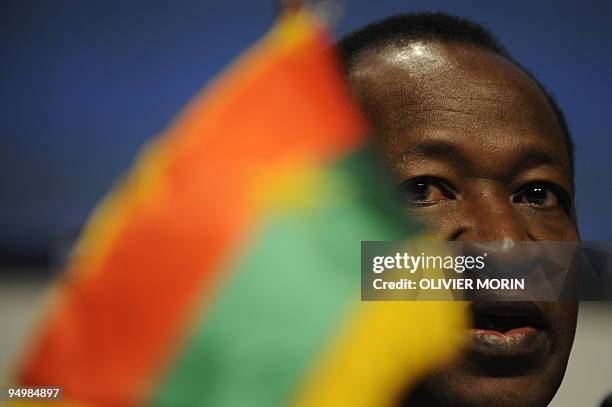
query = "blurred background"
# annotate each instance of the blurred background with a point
(85, 83)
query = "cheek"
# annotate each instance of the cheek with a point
(440, 219)
(549, 225)
(451, 217)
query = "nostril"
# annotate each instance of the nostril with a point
(456, 235)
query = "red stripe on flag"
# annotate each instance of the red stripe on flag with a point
(121, 315)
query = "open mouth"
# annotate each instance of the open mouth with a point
(507, 329)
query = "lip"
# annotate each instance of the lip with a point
(525, 341)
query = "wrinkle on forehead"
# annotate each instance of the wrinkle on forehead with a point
(452, 86)
(433, 69)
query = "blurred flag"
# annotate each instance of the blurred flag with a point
(225, 269)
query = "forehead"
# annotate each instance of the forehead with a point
(432, 89)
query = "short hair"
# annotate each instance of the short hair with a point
(424, 26)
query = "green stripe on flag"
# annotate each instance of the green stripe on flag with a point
(286, 298)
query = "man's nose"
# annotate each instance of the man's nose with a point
(490, 218)
(492, 225)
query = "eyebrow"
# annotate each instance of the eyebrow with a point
(534, 158)
(441, 150)
(452, 153)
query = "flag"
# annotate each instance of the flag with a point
(224, 269)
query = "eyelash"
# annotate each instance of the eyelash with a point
(563, 198)
(442, 185)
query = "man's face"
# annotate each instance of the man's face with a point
(480, 156)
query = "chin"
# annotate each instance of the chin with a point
(459, 389)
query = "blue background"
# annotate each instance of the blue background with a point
(85, 83)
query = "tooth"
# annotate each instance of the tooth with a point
(494, 338)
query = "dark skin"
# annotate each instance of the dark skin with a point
(479, 156)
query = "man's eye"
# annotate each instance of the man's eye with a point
(424, 191)
(540, 195)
